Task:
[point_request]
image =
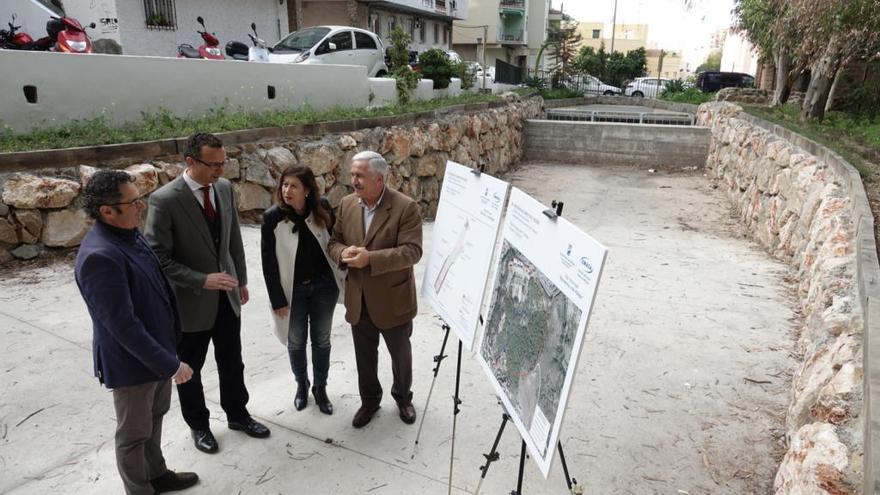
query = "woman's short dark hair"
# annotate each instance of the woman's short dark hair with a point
(103, 189)
(313, 200)
(195, 143)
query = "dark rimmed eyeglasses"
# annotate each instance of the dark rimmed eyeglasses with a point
(215, 166)
(135, 201)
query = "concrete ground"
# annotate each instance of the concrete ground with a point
(681, 387)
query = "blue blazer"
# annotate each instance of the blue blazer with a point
(133, 310)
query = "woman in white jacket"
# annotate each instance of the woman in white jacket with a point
(303, 283)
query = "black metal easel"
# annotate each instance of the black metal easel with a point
(553, 213)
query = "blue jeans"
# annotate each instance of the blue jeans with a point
(311, 313)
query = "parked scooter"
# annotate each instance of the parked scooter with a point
(66, 35)
(239, 51)
(209, 50)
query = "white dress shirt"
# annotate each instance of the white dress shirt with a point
(197, 191)
(369, 212)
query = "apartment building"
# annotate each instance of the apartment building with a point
(514, 31)
(429, 22)
(628, 37)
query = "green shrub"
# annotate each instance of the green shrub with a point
(407, 81)
(560, 93)
(534, 82)
(399, 50)
(690, 95)
(672, 87)
(466, 73)
(435, 65)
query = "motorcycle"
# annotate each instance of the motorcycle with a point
(12, 39)
(239, 51)
(209, 50)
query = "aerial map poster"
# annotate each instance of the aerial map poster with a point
(545, 282)
(464, 235)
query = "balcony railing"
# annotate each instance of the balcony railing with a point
(513, 4)
(510, 35)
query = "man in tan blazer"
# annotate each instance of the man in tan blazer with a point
(378, 235)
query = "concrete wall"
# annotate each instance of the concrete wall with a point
(616, 144)
(229, 19)
(81, 87)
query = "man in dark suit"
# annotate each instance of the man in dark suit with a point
(135, 326)
(192, 225)
(378, 235)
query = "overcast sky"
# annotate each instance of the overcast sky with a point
(671, 25)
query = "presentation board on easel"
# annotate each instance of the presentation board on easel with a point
(465, 231)
(546, 276)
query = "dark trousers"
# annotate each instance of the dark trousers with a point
(366, 351)
(192, 350)
(311, 313)
(139, 412)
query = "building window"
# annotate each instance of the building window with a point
(445, 35)
(392, 23)
(412, 28)
(160, 14)
(596, 33)
(436, 33)
(422, 28)
(376, 24)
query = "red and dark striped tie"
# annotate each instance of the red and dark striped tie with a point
(209, 206)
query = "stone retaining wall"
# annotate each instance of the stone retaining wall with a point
(43, 210)
(809, 209)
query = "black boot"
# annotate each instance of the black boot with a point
(321, 399)
(301, 400)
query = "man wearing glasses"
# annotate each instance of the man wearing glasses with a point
(192, 225)
(136, 326)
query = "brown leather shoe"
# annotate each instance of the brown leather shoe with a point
(363, 416)
(407, 413)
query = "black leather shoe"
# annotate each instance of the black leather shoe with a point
(301, 399)
(171, 481)
(407, 413)
(205, 441)
(363, 416)
(251, 427)
(322, 400)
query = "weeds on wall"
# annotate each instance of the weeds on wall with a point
(162, 124)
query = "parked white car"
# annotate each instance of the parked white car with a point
(593, 86)
(336, 45)
(649, 87)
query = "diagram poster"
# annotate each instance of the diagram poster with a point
(465, 233)
(545, 282)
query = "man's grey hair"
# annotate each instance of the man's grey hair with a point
(374, 160)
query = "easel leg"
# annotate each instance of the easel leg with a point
(437, 359)
(522, 466)
(455, 410)
(568, 479)
(492, 456)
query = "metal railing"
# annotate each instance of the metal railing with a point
(510, 35)
(160, 14)
(577, 115)
(513, 4)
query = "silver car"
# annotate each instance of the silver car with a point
(335, 45)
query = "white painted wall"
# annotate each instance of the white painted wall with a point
(73, 87)
(102, 12)
(229, 19)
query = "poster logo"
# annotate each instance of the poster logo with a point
(586, 265)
